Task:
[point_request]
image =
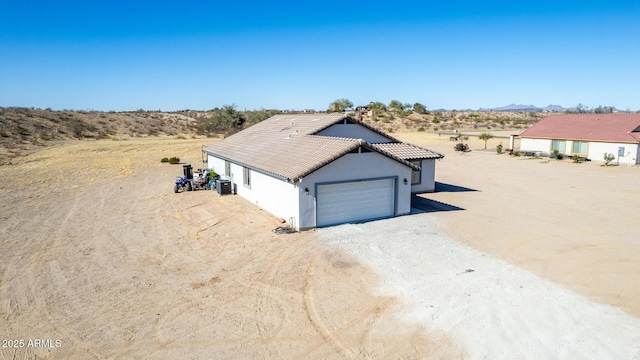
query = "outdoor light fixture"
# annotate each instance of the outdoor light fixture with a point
(405, 181)
(306, 191)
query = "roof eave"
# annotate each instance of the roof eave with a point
(580, 139)
(262, 171)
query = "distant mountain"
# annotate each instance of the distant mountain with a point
(516, 107)
(555, 108)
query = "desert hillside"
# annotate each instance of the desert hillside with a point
(24, 130)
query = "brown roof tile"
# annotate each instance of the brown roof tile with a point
(587, 127)
(407, 151)
(284, 145)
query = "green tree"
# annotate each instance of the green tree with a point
(485, 137)
(221, 120)
(603, 110)
(396, 105)
(419, 108)
(377, 107)
(340, 105)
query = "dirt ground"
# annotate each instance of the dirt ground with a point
(99, 256)
(573, 224)
(100, 259)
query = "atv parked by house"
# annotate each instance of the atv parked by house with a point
(182, 184)
(205, 180)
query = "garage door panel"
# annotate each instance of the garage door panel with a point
(355, 201)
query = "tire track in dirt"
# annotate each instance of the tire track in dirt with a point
(267, 304)
(27, 272)
(314, 317)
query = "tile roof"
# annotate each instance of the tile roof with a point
(285, 145)
(587, 127)
(407, 151)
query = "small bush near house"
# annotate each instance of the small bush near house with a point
(164, 160)
(461, 147)
(608, 158)
(174, 160)
(576, 159)
(499, 149)
(516, 153)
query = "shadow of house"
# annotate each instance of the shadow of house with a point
(442, 187)
(421, 205)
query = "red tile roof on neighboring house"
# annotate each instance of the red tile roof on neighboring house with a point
(285, 145)
(623, 128)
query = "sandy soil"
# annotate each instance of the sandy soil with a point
(570, 223)
(99, 259)
(98, 253)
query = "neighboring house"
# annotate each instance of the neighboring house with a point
(587, 135)
(323, 169)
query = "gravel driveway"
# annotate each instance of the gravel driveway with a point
(491, 308)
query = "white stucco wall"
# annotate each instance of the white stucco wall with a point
(598, 149)
(216, 164)
(354, 131)
(542, 145)
(354, 167)
(276, 196)
(427, 177)
(595, 149)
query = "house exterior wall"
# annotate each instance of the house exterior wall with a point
(353, 167)
(427, 177)
(216, 164)
(598, 149)
(542, 145)
(276, 196)
(354, 131)
(595, 149)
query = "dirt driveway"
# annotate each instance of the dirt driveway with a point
(99, 259)
(574, 224)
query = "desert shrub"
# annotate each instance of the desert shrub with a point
(576, 159)
(461, 147)
(555, 154)
(608, 158)
(421, 128)
(174, 160)
(499, 149)
(516, 153)
(164, 160)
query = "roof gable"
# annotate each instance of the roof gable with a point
(587, 127)
(287, 146)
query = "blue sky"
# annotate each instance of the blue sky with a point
(170, 55)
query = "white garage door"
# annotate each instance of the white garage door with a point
(355, 201)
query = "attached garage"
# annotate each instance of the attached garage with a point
(338, 203)
(321, 169)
